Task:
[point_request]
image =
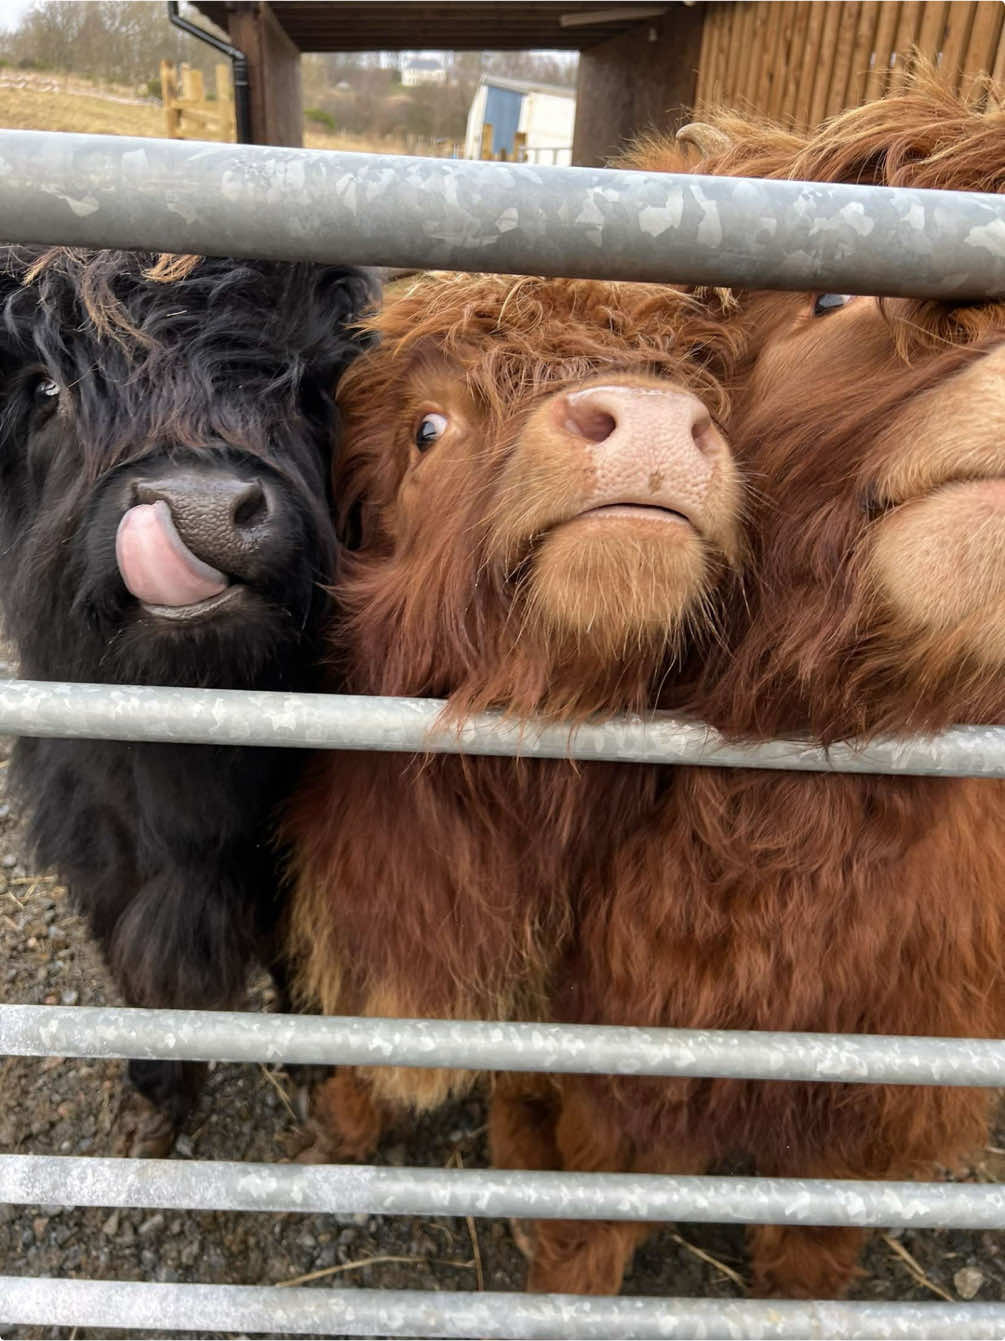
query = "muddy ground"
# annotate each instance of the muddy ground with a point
(53, 1106)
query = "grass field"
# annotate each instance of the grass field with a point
(26, 107)
(49, 102)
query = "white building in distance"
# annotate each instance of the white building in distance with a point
(543, 113)
(422, 71)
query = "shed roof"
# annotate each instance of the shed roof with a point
(529, 86)
(453, 25)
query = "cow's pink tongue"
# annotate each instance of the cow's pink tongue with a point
(156, 565)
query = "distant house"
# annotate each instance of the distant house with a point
(422, 71)
(543, 114)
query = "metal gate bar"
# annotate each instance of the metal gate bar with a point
(223, 1185)
(361, 722)
(379, 209)
(417, 1313)
(233, 1036)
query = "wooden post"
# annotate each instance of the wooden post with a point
(169, 94)
(642, 79)
(277, 107)
(224, 82)
(520, 146)
(192, 89)
(485, 150)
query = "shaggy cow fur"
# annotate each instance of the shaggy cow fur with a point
(125, 378)
(439, 887)
(871, 434)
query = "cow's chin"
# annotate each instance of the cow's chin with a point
(939, 563)
(242, 640)
(619, 585)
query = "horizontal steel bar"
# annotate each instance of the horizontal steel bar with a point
(358, 722)
(46, 1302)
(374, 1190)
(258, 200)
(108, 1031)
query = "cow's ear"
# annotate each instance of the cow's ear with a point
(342, 298)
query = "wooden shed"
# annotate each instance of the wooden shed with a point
(641, 65)
(638, 62)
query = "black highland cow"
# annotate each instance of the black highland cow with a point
(166, 429)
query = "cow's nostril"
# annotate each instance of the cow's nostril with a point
(250, 506)
(703, 433)
(589, 422)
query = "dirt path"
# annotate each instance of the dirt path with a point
(70, 1107)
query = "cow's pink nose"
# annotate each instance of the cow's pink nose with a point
(598, 413)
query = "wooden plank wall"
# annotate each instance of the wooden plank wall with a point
(799, 61)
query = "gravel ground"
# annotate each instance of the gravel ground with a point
(55, 1106)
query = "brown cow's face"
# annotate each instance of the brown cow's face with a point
(549, 527)
(604, 504)
(875, 442)
(938, 553)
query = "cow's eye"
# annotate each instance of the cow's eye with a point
(45, 391)
(825, 303)
(432, 427)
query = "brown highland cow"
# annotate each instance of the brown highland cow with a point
(872, 437)
(541, 511)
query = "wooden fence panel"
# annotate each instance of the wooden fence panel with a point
(998, 73)
(712, 77)
(745, 56)
(904, 39)
(825, 60)
(738, 20)
(865, 40)
(758, 42)
(811, 58)
(844, 40)
(933, 26)
(879, 63)
(706, 61)
(188, 113)
(801, 61)
(985, 36)
(722, 21)
(954, 44)
(800, 39)
(788, 43)
(766, 66)
(726, 29)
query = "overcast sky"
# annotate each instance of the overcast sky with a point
(11, 11)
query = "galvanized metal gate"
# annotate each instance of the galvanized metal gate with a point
(352, 208)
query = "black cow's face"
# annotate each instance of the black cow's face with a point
(165, 449)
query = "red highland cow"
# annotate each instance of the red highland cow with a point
(872, 435)
(541, 510)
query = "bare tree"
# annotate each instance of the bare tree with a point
(122, 41)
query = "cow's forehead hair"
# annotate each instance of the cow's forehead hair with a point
(140, 315)
(505, 338)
